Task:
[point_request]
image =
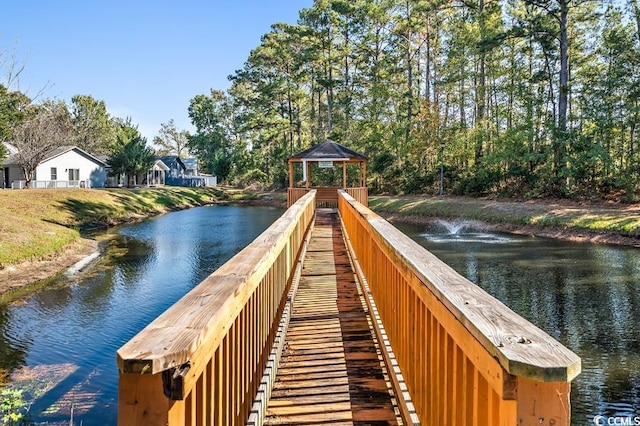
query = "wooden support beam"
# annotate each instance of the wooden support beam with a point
(291, 176)
(344, 175)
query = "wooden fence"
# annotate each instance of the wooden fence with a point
(465, 357)
(201, 361)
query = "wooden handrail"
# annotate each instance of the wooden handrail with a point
(466, 358)
(328, 194)
(201, 361)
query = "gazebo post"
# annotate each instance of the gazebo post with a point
(344, 175)
(308, 173)
(291, 177)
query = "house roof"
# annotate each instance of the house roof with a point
(159, 165)
(11, 151)
(55, 152)
(171, 159)
(328, 150)
(190, 163)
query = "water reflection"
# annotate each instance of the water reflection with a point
(12, 353)
(66, 336)
(586, 296)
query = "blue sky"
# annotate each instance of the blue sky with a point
(145, 59)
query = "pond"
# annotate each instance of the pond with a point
(587, 296)
(61, 342)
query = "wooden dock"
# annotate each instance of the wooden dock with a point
(452, 353)
(331, 371)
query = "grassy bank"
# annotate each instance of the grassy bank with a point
(600, 217)
(36, 224)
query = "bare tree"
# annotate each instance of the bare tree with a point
(170, 140)
(46, 129)
(12, 67)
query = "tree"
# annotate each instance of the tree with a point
(13, 106)
(529, 97)
(132, 157)
(170, 140)
(213, 118)
(47, 128)
(93, 129)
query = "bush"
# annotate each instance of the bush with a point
(12, 407)
(253, 177)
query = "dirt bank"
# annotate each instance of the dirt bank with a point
(17, 276)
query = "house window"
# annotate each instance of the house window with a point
(74, 174)
(54, 173)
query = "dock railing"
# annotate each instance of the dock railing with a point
(202, 360)
(328, 195)
(465, 357)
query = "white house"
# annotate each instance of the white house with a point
(62, 167)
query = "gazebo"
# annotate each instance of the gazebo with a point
(327, 155)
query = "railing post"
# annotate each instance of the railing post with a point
(543, 403)
(142, 401)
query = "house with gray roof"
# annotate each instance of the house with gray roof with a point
(62, 167)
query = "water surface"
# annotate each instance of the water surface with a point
(585, 295)
(62, 341)
(65, 337)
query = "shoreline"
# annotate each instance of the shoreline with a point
(556, 233)
(19, 278)
(25, 277)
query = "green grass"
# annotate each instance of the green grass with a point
(622, 219)
(36, 224)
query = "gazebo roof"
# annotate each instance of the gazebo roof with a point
(328, 150)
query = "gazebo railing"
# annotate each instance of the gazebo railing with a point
(328, 195)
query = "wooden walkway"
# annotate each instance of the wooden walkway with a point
(331, 371)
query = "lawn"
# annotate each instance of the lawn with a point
(38, 223)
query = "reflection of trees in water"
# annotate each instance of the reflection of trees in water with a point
(12, 355)
(621, 382)
(587, 301)
(54, 298)
(586, 296)
(132, 257)
(123, 256)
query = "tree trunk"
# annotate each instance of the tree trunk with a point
(347, 89)
(329, 74)
(409, 69)
(563, 95)
(481, 88)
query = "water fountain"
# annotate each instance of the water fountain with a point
(454, 227)
(462, 231)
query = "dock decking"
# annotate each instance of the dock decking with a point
(331, 371)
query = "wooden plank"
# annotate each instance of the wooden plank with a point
(330, 371)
